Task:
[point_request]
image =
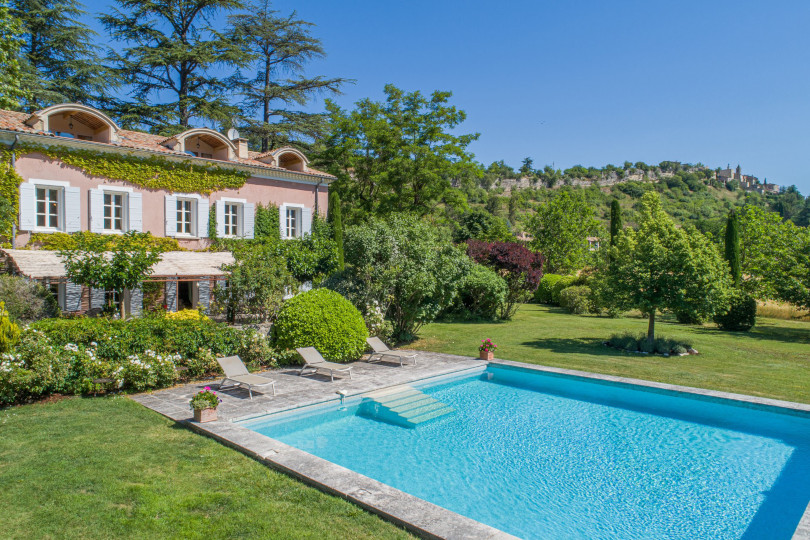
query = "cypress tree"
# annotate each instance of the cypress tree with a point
(336, 220)
(615, 220)
(733, 247)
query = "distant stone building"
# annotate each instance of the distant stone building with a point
(747, 182)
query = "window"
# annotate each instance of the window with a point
(85, 137)
(112, 299)
(232, 221)
(58, 292)
(49, 206)
(114, 211)
(186, 212)
(292, 224)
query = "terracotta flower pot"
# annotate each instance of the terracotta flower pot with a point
(205, 415)
(486, 355)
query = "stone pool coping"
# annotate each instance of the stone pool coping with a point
(414, 514)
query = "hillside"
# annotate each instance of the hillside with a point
(692, 194)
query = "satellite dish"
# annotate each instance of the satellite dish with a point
(233, 134)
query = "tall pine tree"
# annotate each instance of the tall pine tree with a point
(335, 219)
(279, 48)
(176, 65)
(733, 247)
(59, 57)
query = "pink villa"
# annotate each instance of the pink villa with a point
(57, 197)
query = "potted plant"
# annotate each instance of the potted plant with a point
(205, 404)
(486, 351)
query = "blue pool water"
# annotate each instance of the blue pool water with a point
(546, 456)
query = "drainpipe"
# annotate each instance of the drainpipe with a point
(316, 196)
(13, 166)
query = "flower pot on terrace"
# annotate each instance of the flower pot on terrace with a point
(205, 415)
(486, 355)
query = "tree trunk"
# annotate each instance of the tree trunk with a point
(651, 328)
(123, 305)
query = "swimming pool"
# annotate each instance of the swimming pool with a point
(541, 455)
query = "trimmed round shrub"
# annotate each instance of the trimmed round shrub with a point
(563, 283)
(689, 317)
(741, 315)
(322, 319)
(576, 299)
(543, 293)
(481, 293)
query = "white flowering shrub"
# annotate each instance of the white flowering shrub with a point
(150, 370)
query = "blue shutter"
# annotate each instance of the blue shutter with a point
(73, 210)
(28, 207)
(96, 210)
(135, 212)
(248, 220)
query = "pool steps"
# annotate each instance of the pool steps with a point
(403, 406)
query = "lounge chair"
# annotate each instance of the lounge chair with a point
(314, 361)
(236, 371)
(381, 350)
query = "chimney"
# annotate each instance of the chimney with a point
(241, 148)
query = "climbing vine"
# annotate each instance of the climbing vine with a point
(9, 189)
(100, 242)
(152, 172)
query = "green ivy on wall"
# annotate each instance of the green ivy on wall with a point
(152, 172)
(9, 186)
(103, 242)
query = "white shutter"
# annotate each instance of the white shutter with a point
(73, 210)
(306, 221)
(96, 210)
(135, 212)
(28, 207)
(202, 218)
(282, 216)
(171, 215)
(220, 211)
(248, 219)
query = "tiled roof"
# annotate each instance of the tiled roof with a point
(138, 140)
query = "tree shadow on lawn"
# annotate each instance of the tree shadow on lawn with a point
(592, 346)
(763, 333)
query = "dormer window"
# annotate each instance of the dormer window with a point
(203, 143)
(75, 121)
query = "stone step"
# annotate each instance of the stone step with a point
(423, 409)
(432, 415)
(407, 401)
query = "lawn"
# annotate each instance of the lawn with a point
(110, 468)
(771, 360)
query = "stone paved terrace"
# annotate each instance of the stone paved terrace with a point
(294, 391)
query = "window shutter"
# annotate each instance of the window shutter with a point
(135, 212)
(282, 216)
(28, 207)
(73, 297)
(202, 218)
(97, 297)
(306, 221)
(96, 212)
(171, 215)
(73, 210)
(248, 219)
(171, 295)
(136, 302)
(220, 206)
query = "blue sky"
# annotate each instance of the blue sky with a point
(590, 82)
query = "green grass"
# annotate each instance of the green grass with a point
(771, 360)
(110, 468)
